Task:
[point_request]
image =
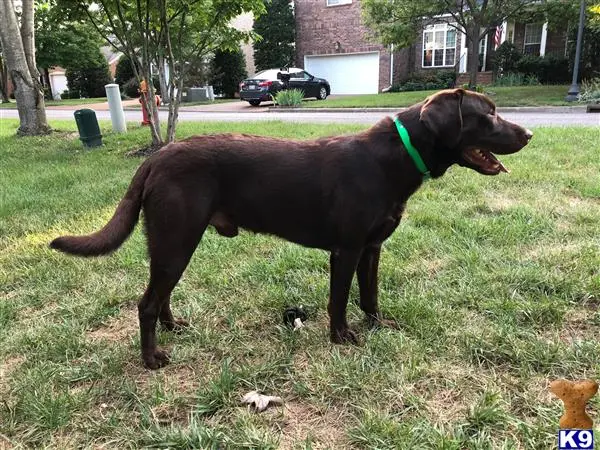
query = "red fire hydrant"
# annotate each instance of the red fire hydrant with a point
(144, 92)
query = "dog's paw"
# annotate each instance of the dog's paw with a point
(377, 322)
(158, 359)
(344, 336)
(177, 326)
(180, 325)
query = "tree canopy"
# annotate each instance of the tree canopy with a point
(70, 44)
(277, 29)
(178, 33)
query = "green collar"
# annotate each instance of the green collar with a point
(412, 151)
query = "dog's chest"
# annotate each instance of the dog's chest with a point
(386, 226)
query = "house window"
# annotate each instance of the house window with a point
(533, 38)
(338, 2)
(439, 45)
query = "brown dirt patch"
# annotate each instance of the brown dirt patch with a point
(497, 201)
(324, 427)
(554, 249)
(5, 444)
(117, 328)
(446, 405)
(578, 326)
(7, 367)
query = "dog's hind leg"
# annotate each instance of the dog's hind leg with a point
(174, 228)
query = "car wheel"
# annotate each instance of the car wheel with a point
(254, 102)
(322, 93)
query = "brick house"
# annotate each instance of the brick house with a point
(332, 42)
(440, 46)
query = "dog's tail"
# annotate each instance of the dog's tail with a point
(118, 228)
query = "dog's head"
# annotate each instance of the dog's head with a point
(467, 131)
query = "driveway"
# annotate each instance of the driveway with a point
(236, 106)
(232, 106)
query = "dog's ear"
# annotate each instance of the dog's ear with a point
(442, 115)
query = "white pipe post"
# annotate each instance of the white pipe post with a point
(117, 116)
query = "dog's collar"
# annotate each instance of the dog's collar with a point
(412, 151)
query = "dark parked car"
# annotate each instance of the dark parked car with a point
(263, 86)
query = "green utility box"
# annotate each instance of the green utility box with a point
(89, 131)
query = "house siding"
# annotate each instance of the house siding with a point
(320, 27)
(555, 40)
(556, 43)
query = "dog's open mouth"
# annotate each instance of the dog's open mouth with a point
(483, 161)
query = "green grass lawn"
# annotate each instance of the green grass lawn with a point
(494, 281)
(64, 102)
(503, 96)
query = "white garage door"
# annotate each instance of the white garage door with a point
(347, 74)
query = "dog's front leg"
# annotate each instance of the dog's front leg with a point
(343, 264)
(367, 270)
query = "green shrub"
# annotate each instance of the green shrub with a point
(516, 79)
(130, 89)
(66, 94)
(124, 71)
(290, 97)
(229, 68)
(479, 88)
(590, 91)
(548, 70)
(426, 81)
(505, 58)
(89, 82)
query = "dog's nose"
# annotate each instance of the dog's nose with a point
(528, 133)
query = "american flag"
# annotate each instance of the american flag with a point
(497, 36)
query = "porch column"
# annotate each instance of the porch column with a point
(462, 66)
(544, 37)
(504, 30)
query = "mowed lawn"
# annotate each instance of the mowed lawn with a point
(494, 281)
(503, 96)
(63, 102)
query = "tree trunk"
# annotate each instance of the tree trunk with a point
(4, 82)
(157, 140)
(142, 72)
(19, 55)
(162, 79)
(473, 55)
(48, 83)
(174, 102)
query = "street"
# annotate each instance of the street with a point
(527, 119)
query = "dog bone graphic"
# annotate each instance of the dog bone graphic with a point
(574, 395)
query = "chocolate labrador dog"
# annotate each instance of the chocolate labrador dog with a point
(342, 194)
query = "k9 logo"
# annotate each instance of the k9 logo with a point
(575, 439)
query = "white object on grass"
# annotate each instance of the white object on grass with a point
(260, 402)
